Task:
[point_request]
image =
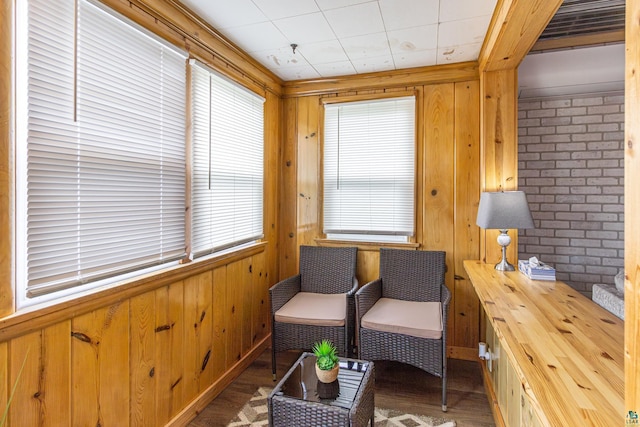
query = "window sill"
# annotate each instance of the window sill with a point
(367, 246)
(38, 316)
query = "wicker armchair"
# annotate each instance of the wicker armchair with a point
(402, 315)
(318, 303)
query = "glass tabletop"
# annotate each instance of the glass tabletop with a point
(302, 383)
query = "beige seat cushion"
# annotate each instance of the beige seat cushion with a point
(418, 319)
(307, 308)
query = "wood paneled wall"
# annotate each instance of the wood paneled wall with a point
(632, 208)
(447, 188)
(6, 217)
(499, 157)
(141, 360)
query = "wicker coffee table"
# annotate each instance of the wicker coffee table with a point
(300, 399)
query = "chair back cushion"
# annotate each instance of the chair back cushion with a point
(327, 270)
(307, 308)
(412, 275)
(414, 318)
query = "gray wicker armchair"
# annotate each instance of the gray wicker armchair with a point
(402, 315)
(317, 303)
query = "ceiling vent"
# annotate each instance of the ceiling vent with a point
(585, 17)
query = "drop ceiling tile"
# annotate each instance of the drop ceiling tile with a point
(333, 69)
(257, 37)
(224, 13)
(323, 52)
(371, 45)
(455, 10)
(309, 28)
(420, 58)
(399, 14)
(413, 39)
(370, 65)
(285, 8)
(356, 20)
(460, 53)
(334, 4)
(275, 59)
(449, 34)
(343, 37)
(297, 73)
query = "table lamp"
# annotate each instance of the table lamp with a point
(503, 210)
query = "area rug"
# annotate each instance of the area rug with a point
(254, 413)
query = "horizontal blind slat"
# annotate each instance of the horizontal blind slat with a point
(105, 193)
(369, 162)
(227, 177)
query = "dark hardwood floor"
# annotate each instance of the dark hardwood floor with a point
(398, 386)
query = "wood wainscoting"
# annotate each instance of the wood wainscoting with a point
(156, 351)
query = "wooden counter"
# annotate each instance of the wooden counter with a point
(566, 351)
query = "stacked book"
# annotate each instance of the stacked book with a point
(536, 270)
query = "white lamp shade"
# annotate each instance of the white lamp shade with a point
(504, 210)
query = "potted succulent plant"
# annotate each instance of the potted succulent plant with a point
(327, 361)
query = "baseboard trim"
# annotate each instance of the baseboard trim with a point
(463, 353)
(199, 403)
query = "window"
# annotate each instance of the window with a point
(227, 172)
(369, 163)
(101, 158)
(100, 147)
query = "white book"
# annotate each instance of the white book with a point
(536, 270)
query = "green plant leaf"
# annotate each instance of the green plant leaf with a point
(326, 353)
(13, 391)
(326, 363)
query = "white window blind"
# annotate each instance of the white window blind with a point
(103, 147)
(369, 158)
(227, 175)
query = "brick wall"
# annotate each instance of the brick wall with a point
(571, 166)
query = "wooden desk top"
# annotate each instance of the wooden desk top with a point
(567, 350)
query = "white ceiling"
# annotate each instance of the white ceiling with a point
(344, 37)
